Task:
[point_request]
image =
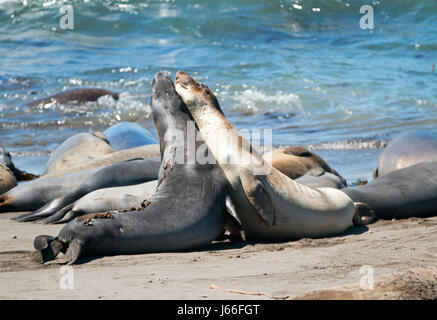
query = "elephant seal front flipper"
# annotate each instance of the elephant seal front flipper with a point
(258, 197)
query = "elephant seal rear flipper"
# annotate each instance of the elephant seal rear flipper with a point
(185, 212)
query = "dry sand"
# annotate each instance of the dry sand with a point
(281, 269)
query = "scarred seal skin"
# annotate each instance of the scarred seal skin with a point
(270, 205)
(407, 192)
(185, 212)
(407, 149)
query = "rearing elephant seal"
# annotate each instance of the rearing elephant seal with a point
(407, 149)
(270, 205)
(185, 212)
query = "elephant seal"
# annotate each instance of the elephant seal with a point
(319, 178)
(128, 172)
(185, 212)
(126, 135)
(77, 149)
(270, 205)
(7, 179)
(295, 161)
(75, 95)
(144, 152)
(9, 174)
(407, 192)
(407, 149)
(35, 194)
(109, 199)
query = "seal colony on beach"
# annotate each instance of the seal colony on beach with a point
(120, 193)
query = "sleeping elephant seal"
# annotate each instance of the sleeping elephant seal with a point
(76, 150)
(109, 199)
(144, 152)
(270, 205)
(34, 194)
(407, 149)
(319, 178)
(75, 95)
(9, 174)
(126, 135)
(7, 179)
(125, 173)
(294, 162)
(185, 212)
(407, 192)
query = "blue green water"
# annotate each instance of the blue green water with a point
(303, 68)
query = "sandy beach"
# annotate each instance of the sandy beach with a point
(275, 269)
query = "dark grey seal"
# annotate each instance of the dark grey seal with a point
(185, 212)
(407, 192)
(75, 95)
(125, 173)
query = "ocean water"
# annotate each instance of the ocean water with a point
(303, 68)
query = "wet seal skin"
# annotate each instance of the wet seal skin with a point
(76, 95)
(269, 204)
(187, 210)
(126, 135)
